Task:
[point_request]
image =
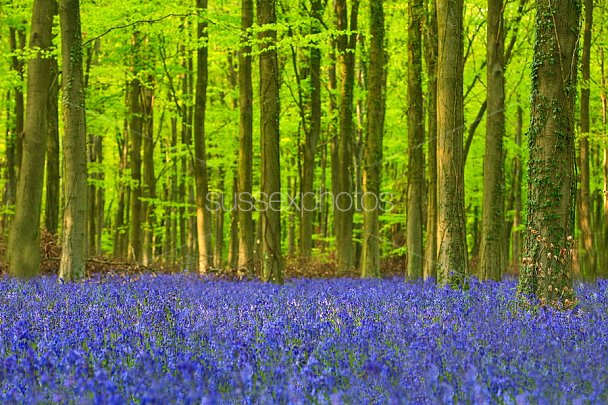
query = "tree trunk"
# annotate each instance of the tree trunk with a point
(17, 42)
(149, 178)
(451, 231)
(415, 126)
(430, 253)
(547, 270)
(492, 224)
(312, 137)
(74, 231)
(344, 203)
(24, 239)
(244, 195)
(203, 216)
(372, 171)
(604, 230)
(121, 223)
(587, 253)
(517, 185)
(135, 136)
(218, 247)
(272, 266)
(14, 134)
(51, 213)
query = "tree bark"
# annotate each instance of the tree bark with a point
(547, 270)
(415, 126)
(203, 216)
(430, 253)
(243, 196)
(312, 136)
(344, 201)
(135, 137)
(372, 171)
(587, 253)
(17, 42)
(451, 232)
(272, 266)
(74, 230)
(493, 212)
(149, 178)
(51, 213)
(24, 239)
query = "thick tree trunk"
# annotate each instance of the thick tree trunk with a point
(587, 253)
(344, 200)
(24, 247)
(272, 266)
(203, 216)
(74, 231)
(372, 171)
(451, 232)
(430, 253)
(493, 212)
(245, 190)
(547, 270)
(415, 126)
(218, 247)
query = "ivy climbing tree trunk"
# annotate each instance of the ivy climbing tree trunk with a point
(74, 230)
(451, 232)
(492, 225)
(547, 269)
(430, 252)
(245, 185)
(370, 255)
(587, 253)
(201, 178)
(24, 240)
(272, 266)
(415, 128)
(344, 203)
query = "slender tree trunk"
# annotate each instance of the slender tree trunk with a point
(149, 178)
(24, 239)
(121, 227)
(203, 216)
(587, 253)
(245, 190)
(272, 266)
(372, 172)
(344, 203)
(547, 270)
(451, 231)
(14, 138)
(517, 186)
(493, 211)
(312, 137)
(415, 125)
(135, 137)
(17, 42)
(430, 253)
(218, 247)
(74, 230)
(604, 230)
(51, 217)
